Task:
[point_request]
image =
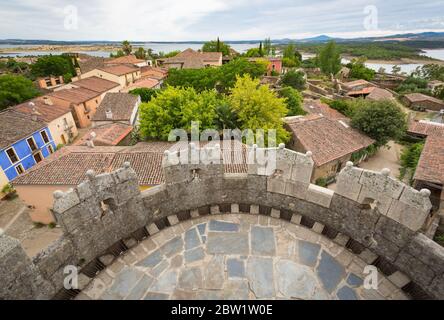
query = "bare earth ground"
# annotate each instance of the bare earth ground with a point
(15, 221)
(386, 157)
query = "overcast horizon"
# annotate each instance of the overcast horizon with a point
(201, 20)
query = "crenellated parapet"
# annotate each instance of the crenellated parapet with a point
(373, 215)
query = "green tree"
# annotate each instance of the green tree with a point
(380, 120)
(127, 47)
(46, 66)
(294, 100)
(146, 94)
(199, 79)
(216, 46)
(257, 107)
(176, 108)
(170, 54)
(396, 69)
(261, 52)
(15, 89)
(221, 78)
(141, 53)
(267, 47)
(253, 53)
(294, 79)
(226, 118)
(118, 54)
(439, 92)
(358, 70)
(413, 84)
(329, 59)
(291, 57)
(409, 160)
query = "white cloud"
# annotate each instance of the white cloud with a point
(169, 20)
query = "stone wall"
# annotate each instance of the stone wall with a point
(373, 215)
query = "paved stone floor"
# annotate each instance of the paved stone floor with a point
(237, 257)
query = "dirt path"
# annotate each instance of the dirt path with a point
(386, 157)
(16, 223)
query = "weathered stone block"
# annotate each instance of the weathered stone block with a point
(319, 195)
(348, 182)
(68, 200)
(296, 189)
(399, 279)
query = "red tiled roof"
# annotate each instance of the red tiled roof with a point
(75, 95)
(328, 139)
(358, 83)
(143, 83)
(16, 126)
(419, 97)
(431, 163)
(107, 135)
(130, 59)
(192, 59)
(68, 166)
(96, 84)
(119, 103)
(120, 70)
(45, 112)
(317, 107)
(426, 128)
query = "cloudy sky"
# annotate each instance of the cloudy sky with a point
(181, 20)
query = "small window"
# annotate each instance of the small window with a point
(31, 143)
(44, 136)
(19, 169)
(12, 155)
(50, 149)
(38, 157)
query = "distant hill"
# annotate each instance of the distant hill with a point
(408, 37)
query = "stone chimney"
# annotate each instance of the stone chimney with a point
(47, 101)
(34, 113)
(109, 114)
(90, 141)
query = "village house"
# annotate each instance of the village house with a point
(422, 102)
(317, 107)
(430, 169)
(25, 140)
(83, 103)
(129, 59)
(117, 107)
(111, 134)
(274, 65)
(147, 83)
(371, 93)
(157, 73)
(96, 84)
(50, 83)
(333, 142)
(122, 74)
(190, 59)
(58, 118)
(423, 128)
(357, 85)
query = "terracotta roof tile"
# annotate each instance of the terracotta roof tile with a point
(426, 128)
(107, 135)
(328, 139)
(431, 163)
(45, 112)
(75, 95)
(120, 69)
(317, 107)
(16, 126)
(96, 84)
(130, 59)
(143, 83)
(418, 97)
(68, 166)
(121, 104)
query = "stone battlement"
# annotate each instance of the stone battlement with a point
(370, 213)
